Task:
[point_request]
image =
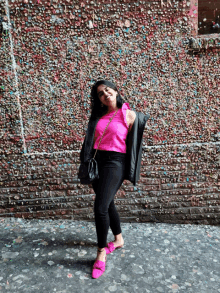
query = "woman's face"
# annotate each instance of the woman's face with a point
(107, 95)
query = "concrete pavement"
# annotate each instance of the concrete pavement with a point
(58, 255)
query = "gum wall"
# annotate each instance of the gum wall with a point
(51, 52)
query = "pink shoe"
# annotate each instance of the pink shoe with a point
(98, 268)
(111, 247)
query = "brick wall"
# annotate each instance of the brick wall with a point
(51, 52)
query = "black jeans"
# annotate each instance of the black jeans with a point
(111, 167)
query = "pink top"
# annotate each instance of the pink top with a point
(116, 133)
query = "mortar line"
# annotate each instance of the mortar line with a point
(16, 76)
(144, 147)
(53, 153)
(182, 145)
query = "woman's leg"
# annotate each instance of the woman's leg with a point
(115, 224)
(111, 177)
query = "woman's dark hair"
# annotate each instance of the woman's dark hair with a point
(96, 109)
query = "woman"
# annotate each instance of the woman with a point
(111, 158)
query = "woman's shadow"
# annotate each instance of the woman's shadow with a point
(77, 254)
(40, 249)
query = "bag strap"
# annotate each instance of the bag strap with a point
(104, 132)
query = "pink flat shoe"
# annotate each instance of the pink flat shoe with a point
(111, 247)
(98, 268)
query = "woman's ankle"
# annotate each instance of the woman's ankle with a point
(101, 255)
(119, 238)
(101, 249)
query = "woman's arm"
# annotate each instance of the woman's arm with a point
(130, 117)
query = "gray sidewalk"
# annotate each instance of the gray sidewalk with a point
(57, 256)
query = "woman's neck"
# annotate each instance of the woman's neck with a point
(111, 109)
